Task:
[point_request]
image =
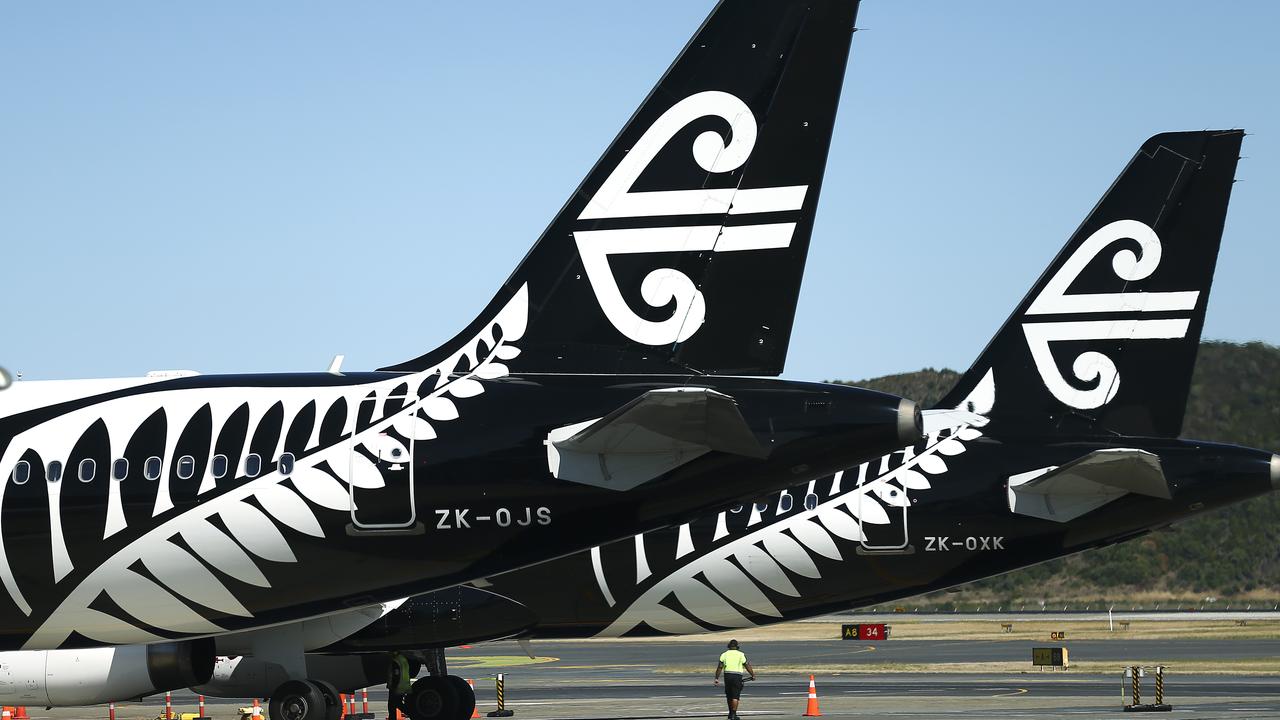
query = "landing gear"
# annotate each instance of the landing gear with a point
(433, 698)
(299, 700)
(466, 697)
(333, 702)
(439, 695)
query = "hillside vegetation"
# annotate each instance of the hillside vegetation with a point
(1230, 553)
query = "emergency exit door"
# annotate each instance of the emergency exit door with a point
(382, 491)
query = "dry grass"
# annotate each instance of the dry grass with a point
(906, 627)
(1254, 666)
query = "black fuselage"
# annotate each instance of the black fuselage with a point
(757, 564)
(470, 496)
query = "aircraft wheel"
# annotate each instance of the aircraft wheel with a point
(466, 697)
(332, 702)
(297, 700)
(432, 698)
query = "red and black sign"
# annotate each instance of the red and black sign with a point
(864, 631)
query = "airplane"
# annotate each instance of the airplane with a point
(1020, 464)
(1063, 436)
(613, 385)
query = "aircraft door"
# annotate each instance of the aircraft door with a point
(382, 488)
(878, 500)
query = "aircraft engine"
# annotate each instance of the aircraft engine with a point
(62, 678)
(245, 676)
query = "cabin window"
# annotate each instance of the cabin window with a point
(219, 466)
(784, 503)
(54, 472)
(252, 465)
(736, 509)
(88, 468)
(186, 467)
(761, 507)
(151, 469)
(811, 501)
(21, 472)
(286, 464)
(120, 469)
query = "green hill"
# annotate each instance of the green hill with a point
(1231, 553)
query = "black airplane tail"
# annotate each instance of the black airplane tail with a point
(1106, 341)
(683, 249)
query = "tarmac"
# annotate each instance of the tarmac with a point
(635, 681)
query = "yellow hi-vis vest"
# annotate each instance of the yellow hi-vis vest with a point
(734, 661)
(398, 677)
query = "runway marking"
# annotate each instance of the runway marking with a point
(1015, 693)
(605, 667)
(488, 661)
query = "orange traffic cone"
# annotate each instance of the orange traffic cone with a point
(20, 713)
(812, 710)
(6, 712)
(475, 712)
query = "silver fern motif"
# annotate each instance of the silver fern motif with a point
(321, 479)
(715, 588)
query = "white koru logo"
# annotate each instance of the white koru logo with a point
(616, 200)
(1094, 367)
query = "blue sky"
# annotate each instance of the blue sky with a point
(252, 187)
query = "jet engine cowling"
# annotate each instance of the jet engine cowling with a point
(69, 678)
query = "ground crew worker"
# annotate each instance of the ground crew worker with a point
(732, 663)
(398, 683)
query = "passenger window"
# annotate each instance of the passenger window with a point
(186, 467)
(21, 472)
(151, 470)
(761, 506)
(286, 464)
(784, 503)
(736, 509)
(54, 472)
(811, 502)
(219, 466)
(87, 470)
(252, 465)
(120, 469)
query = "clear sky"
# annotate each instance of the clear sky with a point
(241, 186)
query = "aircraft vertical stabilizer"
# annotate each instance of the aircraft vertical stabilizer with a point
(1106, 341)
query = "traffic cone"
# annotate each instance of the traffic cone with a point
(6, 712)
(812, 710)
(111, 712)
(257, 710)
(475, 711)
(20, 713)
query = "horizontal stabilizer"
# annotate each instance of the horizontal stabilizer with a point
(1081, 486)
(651, 435)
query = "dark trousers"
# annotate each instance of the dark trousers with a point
(732, 685)
(395, 701)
